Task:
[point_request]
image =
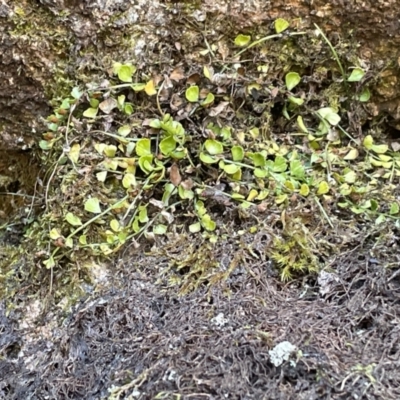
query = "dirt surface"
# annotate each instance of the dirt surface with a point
(142, 341)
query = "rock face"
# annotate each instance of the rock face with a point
(18, 173)
(50, 45)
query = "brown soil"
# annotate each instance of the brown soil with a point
(149, 343)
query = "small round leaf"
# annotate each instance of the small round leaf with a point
(167, 145)
(160, 229)
(150, 88)
(194, 228)
(231, 169)
(125, 72)
(192, 94)
(143, 147)
(93, 205)
(356, 75)
(329, 114)
(365, 95)
(208, 100)
(214, 147)
(292, 79)
(73, 219)
(90, 112)
(242, 40)
(281, 25)
(368, 142)
(207, 159)
(323, 188)
(237, 153)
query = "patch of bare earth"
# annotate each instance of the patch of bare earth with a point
(138, 341)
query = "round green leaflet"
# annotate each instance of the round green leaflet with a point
(242, 40)
(292, 79)
(214, 147)
(192, 94)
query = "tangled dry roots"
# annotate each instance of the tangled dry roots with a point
(145, 342)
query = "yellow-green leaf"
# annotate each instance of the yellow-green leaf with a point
(237, 153)
(207, 72)
(192, 94)
(329, 114)
(365, 95)
(281, 25)
(93, 205)
(128, 180)
(292, 79)
(281, 198)
(194, 228)
(356, 75)
(101, 176)
(73, 219)
(150, 88)
(263, 195)
(143, 147)
(90, 112)
(300, 124)
(304, 190)
(54, 234)
(50, 263)
(350, 177)
(208, 223)
(110, 150)
(124, 130)
(231, 169)
(380, 148)
(207, 159)
(260, 173)
(74, 152)
(138, 87)
(368, 142)
(252, 195)
(385, 158)
(394, 209)
(289, 185)
(214, 147)
(167, 145)
(143, 216)
(351, 155)
(208, 100)
(115, 226)
(323, 188)
(242, 40)
(125, 72)
(296, 100)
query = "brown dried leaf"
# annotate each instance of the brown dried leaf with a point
(176, 102)
(177, 74)
(175, 175)
(187, 184)
(108, 105)
(218, 109)
(223, 49)
(193, 79)
(395, 146)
